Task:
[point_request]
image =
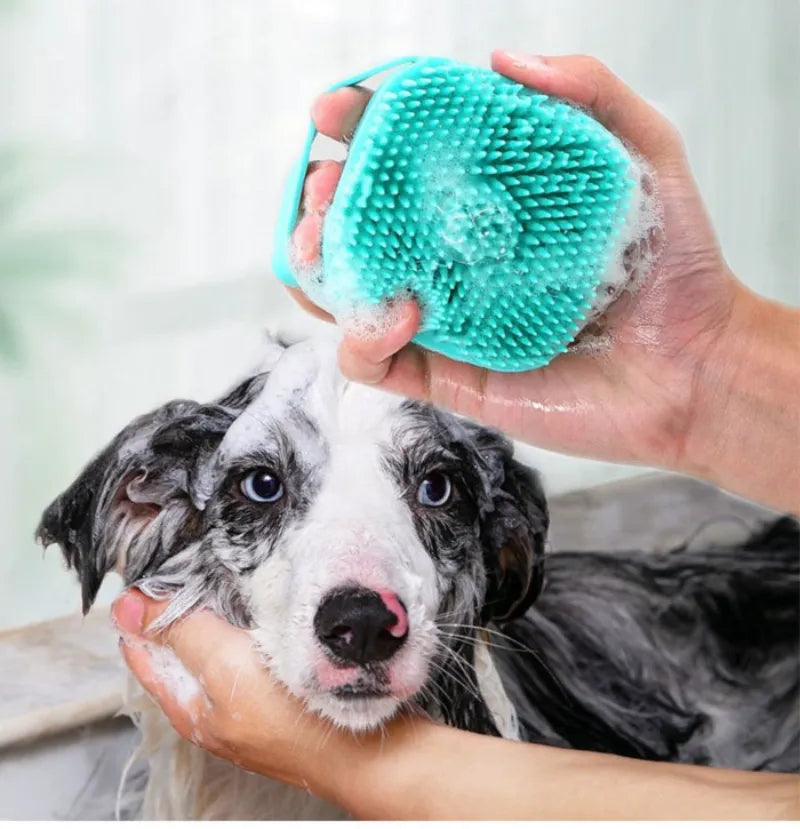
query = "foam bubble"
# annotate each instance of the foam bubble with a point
(343, 302)
(172, 672)
(473, 216)
(592, 341)
(368, 321)
(307, 274)
(373, 321)
(634, 254)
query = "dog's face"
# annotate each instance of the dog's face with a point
(361, 537)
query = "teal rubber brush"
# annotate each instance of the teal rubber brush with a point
(503, 211)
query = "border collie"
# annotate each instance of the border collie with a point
(384, 553)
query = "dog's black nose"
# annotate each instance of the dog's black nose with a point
(358, 627)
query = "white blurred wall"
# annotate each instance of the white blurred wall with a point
(175, 121)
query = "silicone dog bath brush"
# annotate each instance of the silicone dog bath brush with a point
(503, 211)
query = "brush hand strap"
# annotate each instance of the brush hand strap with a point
(287, 216)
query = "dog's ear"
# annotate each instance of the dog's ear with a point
(134, 505)
(141, 499)
(514, 534)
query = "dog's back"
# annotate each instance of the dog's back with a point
(689, 655)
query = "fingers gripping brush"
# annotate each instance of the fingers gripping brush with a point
(504, 212)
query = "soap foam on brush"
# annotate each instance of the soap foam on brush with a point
(504, 212)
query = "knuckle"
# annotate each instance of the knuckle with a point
(668, 137)
(600, 80)
(595, 68)
(673, 135)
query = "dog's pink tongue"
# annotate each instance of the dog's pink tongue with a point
(394, 605)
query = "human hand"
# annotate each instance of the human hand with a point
(407, 771)
(638, 401)
(230, 706)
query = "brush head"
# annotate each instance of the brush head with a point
(502, 210)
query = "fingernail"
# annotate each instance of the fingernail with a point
(522, 61)
(128, 613)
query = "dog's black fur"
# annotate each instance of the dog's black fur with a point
(686, 655)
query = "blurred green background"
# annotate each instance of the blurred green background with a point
(143, 145)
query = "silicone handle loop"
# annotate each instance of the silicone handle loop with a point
(287, 215)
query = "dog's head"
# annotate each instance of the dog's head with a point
(364, 539)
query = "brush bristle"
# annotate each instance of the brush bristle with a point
(499, 208)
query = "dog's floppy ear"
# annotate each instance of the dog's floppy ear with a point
(514, 537)
(68, 522)
(132, 506)
(141, 499)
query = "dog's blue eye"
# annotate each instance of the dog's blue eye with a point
(435, 490)
(262, 486)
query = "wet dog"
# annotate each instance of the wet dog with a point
(385, 554)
